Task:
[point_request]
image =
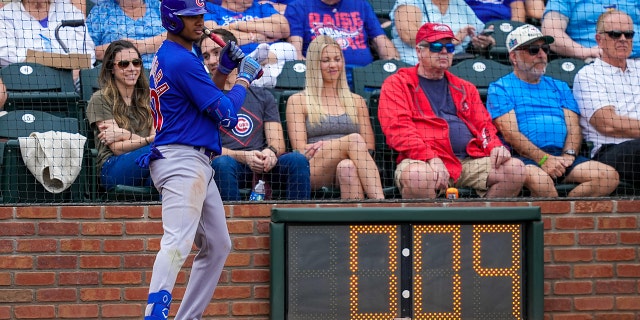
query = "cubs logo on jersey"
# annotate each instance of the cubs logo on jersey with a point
(244, 126)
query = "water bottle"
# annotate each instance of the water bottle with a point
(258, 192)
(452, 193)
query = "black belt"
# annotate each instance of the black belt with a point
(209, 153)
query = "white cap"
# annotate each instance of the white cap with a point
(524, 35)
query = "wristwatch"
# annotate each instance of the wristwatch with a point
(570, 152)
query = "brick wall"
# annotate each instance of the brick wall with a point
(94, 262)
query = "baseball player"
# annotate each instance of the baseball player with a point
(188, 109)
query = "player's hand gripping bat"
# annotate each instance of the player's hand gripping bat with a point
(221, 43)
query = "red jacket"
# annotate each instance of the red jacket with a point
(413, 129)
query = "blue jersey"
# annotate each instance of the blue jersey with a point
(181, 90)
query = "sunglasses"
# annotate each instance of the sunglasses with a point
(125, 63)
(436, 47)
(616, 34)
(535, 49)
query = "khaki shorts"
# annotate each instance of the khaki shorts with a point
(475, 173)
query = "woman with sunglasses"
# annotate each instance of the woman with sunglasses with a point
(120, 119)
(331, 126)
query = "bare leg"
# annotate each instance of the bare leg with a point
(539, 183)
(507, 180)
(417, 181)
(596, 179)
(348, 180)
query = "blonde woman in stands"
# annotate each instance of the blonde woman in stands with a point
(331, 126)
(120, 117)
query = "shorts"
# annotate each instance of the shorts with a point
(475, 172)
(556, 152)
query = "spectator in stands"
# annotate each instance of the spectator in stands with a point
(255, 148)
(534, 9)
(330, 125)
(608, 94)
(260, 31)
(498, 10)
(538, 116)
(352, 23)
(3, 95)
(30, 25)
(120, 117)
(137, 21)
(279, 5)
(441, 130)
(573, 24)
(410, 15)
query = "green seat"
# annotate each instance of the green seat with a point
(501, 28)
(292, 76)
(564, 69)
(382, 8)
(368, 80)
(481, 72)
(385, 158)
(33, 86)
(89, 82)
(17, 183)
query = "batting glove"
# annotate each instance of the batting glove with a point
(230, 57)
(249, 69)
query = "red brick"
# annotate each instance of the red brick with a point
(102, 228)
(154, 212)
(238, 260)
(216, 309)
(615, 286)
(593, 271)
(34, 312)
(573, 316)
(144, 228)
(605, 206)
(78, 311)
(251, 211)
(572, 255)
(35, 278)
(261, 259)
(17, 229)
(250, 243)
(263, 226)
(124, 212)
(553, 207)
(628, 302)
(235, 292)
(250, 275)
(572, 287)
(5, 312)
(628, 270)
(80, 245)
(630, 237)
(58, 228)
(6, 213)
(139, 261)
(136, 293)
(78, 278)
(616, 254)
(6, 246)
(123, 245)
(100, 294)
(37, 212)
(240, 226)
(56, 295)
(16, 295)
(261, 292)
(559, 238)
(617, 222)
(100, 262)
(5, 278)
(627, 206)
(81, 212)
(124, 277)
(557, 304)
(36, 245)
(121, 310)
(597, 238)
(56, 262)
(16, 262)
(574, 223)
(250, 308)
(593, 303)
(557, 272)
(615, 316)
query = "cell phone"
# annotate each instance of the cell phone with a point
(487, 32)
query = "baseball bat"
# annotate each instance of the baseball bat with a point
(221, 43)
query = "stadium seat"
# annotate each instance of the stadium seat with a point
(368, 79)
(382, 8)
(564, 69)
(290, 81)
(33, 86)
(501, 29)
(89, 83)
(385, 158)
(17, 183)
(481, 72)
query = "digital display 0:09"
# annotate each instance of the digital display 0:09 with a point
(387, 271)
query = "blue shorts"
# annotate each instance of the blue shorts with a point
(556, 152)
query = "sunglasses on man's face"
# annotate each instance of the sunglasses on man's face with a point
(535, 49)
(436, 47)
(125, 63)
(616, 34)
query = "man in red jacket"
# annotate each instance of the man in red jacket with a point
(440, 128)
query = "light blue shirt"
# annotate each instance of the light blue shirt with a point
(583, 15)
(107, 23)
(539, 107)
(458, 15)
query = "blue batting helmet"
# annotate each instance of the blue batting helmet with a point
(171, 10)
